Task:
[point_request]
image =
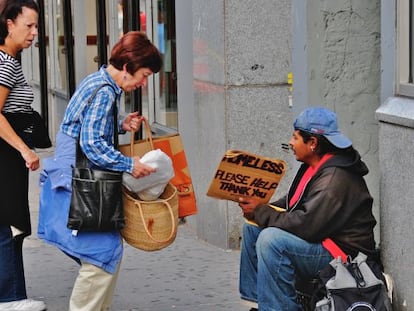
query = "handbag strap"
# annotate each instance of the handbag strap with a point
(148, 135)
(81, 160)
(334, 249)
(151, 220)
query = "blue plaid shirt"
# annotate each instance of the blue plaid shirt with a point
(93, 123)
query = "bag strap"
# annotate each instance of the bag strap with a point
(334, 249)
(81, 160)
(151, 221)
(148, 135)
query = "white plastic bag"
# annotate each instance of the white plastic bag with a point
(152, 186)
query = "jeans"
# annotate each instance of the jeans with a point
(270, 260)
(12, 282)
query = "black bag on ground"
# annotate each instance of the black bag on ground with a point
(96, 202)
(353, 286)
(31, 127)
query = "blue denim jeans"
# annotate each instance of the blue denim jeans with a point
(12, 282)
(270, 260)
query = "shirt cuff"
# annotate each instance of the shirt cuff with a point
(120, 130)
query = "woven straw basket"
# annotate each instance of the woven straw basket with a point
(151, 225)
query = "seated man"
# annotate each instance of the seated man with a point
(327, 213)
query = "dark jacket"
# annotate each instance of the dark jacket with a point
(335, 204)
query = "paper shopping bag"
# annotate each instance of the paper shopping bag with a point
(244, 174)
(172, 145)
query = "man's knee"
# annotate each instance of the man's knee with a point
(250, 234)
(271, 239)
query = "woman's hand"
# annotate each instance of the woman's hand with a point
(141, 169)
(248, 206)
(132, 122)
(31, 158)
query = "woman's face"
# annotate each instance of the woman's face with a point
(23, 30)
(301, 150)
(138, 79)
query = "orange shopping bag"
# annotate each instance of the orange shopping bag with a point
(172, 145)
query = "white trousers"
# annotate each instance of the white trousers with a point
(93, 289)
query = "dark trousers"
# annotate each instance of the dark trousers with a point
(12, 282)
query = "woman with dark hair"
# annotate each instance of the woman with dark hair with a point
(133, 59)
(327, 213)
(18, 29)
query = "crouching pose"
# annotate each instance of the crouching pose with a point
(326, 213)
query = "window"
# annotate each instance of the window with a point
(77, 39)
(166, 84)
(157, 19)
(405, 43)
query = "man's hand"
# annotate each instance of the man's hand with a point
(248, 205)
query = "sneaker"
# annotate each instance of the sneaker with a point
(251, 304)
(23, 305)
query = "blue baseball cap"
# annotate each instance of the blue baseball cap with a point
(318, 120)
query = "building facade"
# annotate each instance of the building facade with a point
(226, 84)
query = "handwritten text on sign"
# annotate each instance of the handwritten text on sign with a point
(244, 174)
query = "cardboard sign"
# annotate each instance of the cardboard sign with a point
(243, 174)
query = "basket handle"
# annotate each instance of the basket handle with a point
(148, 135)
(173, 226)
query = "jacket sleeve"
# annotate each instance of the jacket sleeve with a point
(281, 202)
(318, 213)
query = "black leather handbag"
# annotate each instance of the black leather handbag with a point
(96, 202)
(31, 127)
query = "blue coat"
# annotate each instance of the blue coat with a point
(103, 249)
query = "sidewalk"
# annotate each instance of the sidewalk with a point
(186, 276)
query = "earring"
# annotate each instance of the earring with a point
(312, 149)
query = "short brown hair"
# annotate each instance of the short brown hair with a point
(136, 51)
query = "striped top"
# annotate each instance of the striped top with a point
(11, 76)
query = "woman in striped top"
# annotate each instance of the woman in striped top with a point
(18, 29)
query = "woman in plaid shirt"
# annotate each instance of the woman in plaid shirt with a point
(133, 59)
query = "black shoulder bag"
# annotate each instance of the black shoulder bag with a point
(356, 285)
(31, 127)
(96, 202)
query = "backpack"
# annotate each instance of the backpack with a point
(353, 286)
